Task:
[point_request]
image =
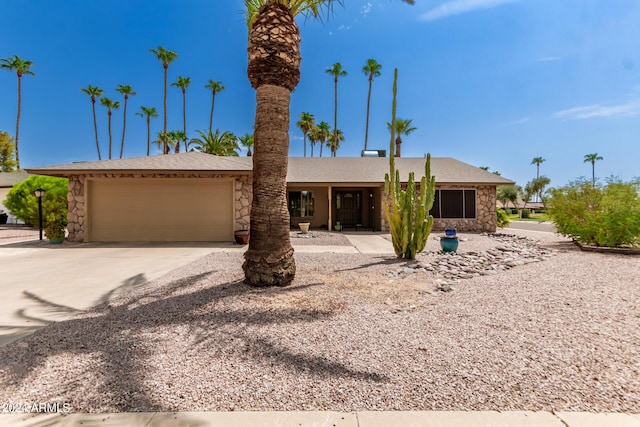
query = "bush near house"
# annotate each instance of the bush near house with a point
(502, 218)
(23, 204)
(603, 216)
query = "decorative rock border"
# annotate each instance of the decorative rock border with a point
(450, 268)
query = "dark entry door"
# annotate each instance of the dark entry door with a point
(349, 207)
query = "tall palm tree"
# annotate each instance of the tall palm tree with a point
(126, 91)
(371, 69)
(323, 134)
(336, 71)
(537, 161)
(334, 146)
(274, 71)
(149, 113)
(592, 158)
(166, 57)
(183, 83)
(215, 87)
(305, 123)
(22, 67)
(314, 137)
(402, 127)
(246, 140)
(94, 92)
(110, 105)
(218, 144)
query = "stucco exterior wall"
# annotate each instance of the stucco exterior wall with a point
(485, 211)
(77, 200)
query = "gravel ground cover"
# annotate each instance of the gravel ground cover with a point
(351, 334)
(318, 237)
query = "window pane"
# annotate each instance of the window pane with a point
(307, 203)
(469, 203)
(435, 210)
(294, 203)
(451, 203)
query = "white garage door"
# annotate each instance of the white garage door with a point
(160, 210)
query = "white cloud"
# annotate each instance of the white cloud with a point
(549, 59)
(344, 27)
(457, 7)
(518, 122)
(366, 9)
(630, 108)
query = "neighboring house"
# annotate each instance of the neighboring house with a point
(199, 197)
(7, 181)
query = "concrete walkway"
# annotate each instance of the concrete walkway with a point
(328, 419)
(370, 243)
(43, 283)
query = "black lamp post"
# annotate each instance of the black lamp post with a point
(39, 192)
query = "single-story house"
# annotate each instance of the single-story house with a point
(200, 197)
(7, 181)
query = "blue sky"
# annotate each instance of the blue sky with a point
(489, 82)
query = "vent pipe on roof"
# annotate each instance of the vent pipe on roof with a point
(374, 153)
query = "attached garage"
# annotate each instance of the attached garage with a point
(160, 209)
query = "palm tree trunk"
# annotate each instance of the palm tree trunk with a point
(304, 140)
(124, 125)
(18, 121)
(184, 118)
(366, 129)
(148, 135)
(109, 114)
(164, 129)
(95, 125)
(213, 100)
(269, 259)
(398, 146)
(312, 144)
(593, 169)
(335, 117)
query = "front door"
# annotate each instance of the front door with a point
(349, 208)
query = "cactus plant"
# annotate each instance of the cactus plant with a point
(407, 214)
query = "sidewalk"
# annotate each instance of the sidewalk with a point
(328, 419)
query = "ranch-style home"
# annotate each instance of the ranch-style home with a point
(200, 197)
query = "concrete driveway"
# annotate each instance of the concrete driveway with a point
(42, 283)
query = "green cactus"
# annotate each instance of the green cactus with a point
(408, 215)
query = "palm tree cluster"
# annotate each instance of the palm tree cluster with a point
(318, 133)
(166, 140)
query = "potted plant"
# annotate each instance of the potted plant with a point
(304, 227)
(54, 230)
(338, 226)
(242, 237)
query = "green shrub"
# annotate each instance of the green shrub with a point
(503, 218)
(514, 211)
(23, 204)
(526, 213)
(604, 216)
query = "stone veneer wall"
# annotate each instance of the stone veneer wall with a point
(485, 208)
(243, 189)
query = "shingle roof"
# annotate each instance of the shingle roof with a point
(191, 161)
(9, 179)
(361, 170)
(372, 170)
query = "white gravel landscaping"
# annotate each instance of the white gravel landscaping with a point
(353, 332)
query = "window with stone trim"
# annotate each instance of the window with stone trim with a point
(454, 204)
(301, 203)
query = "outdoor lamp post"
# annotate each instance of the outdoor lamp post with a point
(39, 192)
